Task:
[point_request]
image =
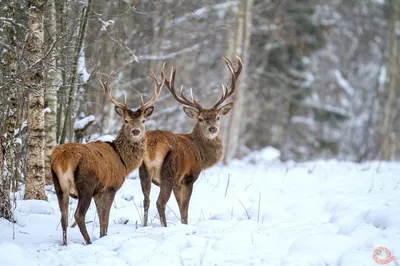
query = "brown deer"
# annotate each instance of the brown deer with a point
(98, 169)
(174, 161)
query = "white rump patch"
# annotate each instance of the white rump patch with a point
(67, 182)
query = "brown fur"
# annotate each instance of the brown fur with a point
(98, 169)
(175, 161)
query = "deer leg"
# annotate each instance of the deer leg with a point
(64, 216)
(103, 204)
(186, 193)
(163, 197)
(80, 215)
(145, 182)
(63, 201)
(177, 194)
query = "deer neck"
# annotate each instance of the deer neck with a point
(131, 154)
(210, 151)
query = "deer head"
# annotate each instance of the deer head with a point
(133, 121)
(207, 119)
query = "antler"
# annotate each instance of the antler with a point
(235, 74)
(107, 91)
(157, 89)
(181, 98)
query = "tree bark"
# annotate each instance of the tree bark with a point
(52, 80)
(68, 120)
(11, 119)
(35, 180)
(242, 45)
(385, 136)
(4, 194)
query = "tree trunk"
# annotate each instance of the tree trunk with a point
(35, 180)
(4, 194)
(11, 120)
(385, 141)
(68, 121)
(242, 45)
(52, 80)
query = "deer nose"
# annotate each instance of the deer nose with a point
(212, 129)
(135, 132)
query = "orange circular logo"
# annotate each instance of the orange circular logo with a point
(383, 256)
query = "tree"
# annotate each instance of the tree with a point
(8, 146)
(386, 141)
(79, 36)
(241, 45)
(35, 180)
(52, 81)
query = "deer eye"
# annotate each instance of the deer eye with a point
(126, 121)
(143, 120)
(201, 119)
(218, 118)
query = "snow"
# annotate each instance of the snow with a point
(82, 66)
(382, 78)
(18, 141)
(204, 11)
(105, 138)
(381, 2)
(47, 110)
(268, 154)
(265, 212)
(303, 120)
(343, 83)
(82, 123)
(105, 24)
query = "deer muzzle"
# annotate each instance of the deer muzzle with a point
(135, 132)
(212, 130)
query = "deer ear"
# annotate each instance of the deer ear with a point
(120, 111)
(191, 112)
(148, 111)
(225, 109)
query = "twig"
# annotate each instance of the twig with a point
(173, 212)
(94, 221)
(204, 217)
(12, 21)
(124, 46)
(227, 184)
(259, 204)
(248, 215)
(53, 45)
(137, 209)
(283, 180)
(372, 183)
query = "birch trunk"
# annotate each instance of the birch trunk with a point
(11, 119)
(69, 119)
(4, 194)
(385, 141)
(52, 79)
(35, 180)
(242, 45)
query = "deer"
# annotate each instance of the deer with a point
(98, 169)
(174, 161)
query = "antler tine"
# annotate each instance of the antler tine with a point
(157, 89)
(181, 98)
(226, 93)
(107, 90)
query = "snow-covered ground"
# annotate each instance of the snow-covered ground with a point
(264, 213)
